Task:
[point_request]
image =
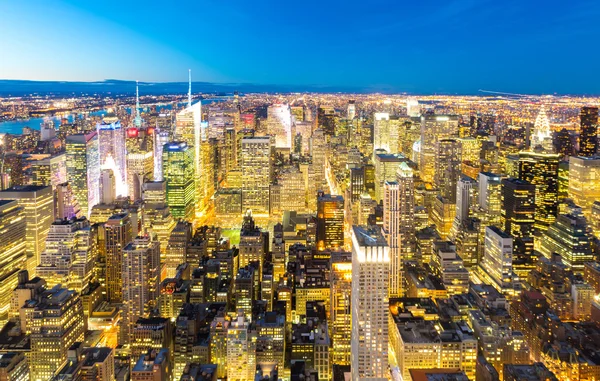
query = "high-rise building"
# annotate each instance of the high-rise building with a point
(330, 222)
(218, 343)
(118, 233)
(318, 151)
(151, 333)
(178, 173)
(69, 256)
(588, 131)
(83, 169)
(241, 350)
(279, 124)
(386, 168)
(108, 186)
(518, 219)
(156, 214)
(466, 190)
(434, 128)
(447, 167)
(176, 252)
(256, 174)
(584, 182)
(38, 211)
(448, 266)
(496, 265)
(541, 136)
(111, 145)
(154, 365)
(254, 244)
(385, 132)
(55, 322)
(140, 168)
(12, 252)
(370, 309)
(568, 237)
(541, 170)
(340, 308)
(65, 203)
(50, 170)
(141, 277)
(398, 224)
(270, 343)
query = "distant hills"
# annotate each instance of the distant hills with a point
(115, 87)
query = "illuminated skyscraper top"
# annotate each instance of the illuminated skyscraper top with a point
(542, 135)
(138, 119)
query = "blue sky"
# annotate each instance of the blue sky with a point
(424, 46)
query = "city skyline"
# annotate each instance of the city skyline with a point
(445, 47)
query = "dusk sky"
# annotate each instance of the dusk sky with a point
(451, 46)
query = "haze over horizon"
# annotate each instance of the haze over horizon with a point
(444, 46)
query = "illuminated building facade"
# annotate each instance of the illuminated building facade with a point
(38, 211)
(83, 169)
(118, 233)
(584, 182)
(434, 128)
(112, 150)
(541, 170)
(497, 262)
(178, 167)
(69, 256)
(13, 257)
(55, 322)
(518, 219)
(568, 237)
(447, 167)
(386, 132)
(588, 131)
(256, 174)
(51, 170)
(340, 307)
(370, 309)
(157, 217)
(241, 350)
(140, 168)
(330, 222)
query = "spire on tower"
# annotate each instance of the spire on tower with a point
(189, 87)
(138, 119)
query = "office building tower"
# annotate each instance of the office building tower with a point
(55, 322)
(370, 309)
(69, 256)
(447, 167)
(65, 203)
(563, 143)
(466, 191)
(256, 174)
(490, 197)
(398, 224)
(241, 350)
(111, 146)
(141, 277)
(412, 108)
(442, 215)
(448, 266)
(293, 190)
(218, 343)
(330, 222)
(83, 169)
(541, 170)
(518, 219)
(178, 173)
(279, 124)
(118, 233)
(140, 168)
(38, 211)
(386, 133)
(496, 265)
(160, 139)
(340, 307)
(176, 252)
(98, 364)
(253, 244)
(318, 152)
(13, 257)
(568, 237)
(584, 182)
(49, 170)
(14, 367)
(156, 214)
(588, 131)
(108, 190)
(270, 342)
(434, 128)
(386, 168)
(351, 109)
(154, 365)
(541, 135)
(151, 333)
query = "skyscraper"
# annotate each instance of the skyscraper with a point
(108, 186)
(330, 222)
(542, 135)
(241, 350)
(83, 169)
(370, 306)
(385, 132)
(178, 173)
(341, 311)
(584, 182)
(140, 167)
(518, 218)
(398, 224)
(568, 237)
(541, 170)
(141, 277)
(434, 128)
(118, 233)
(588, 131)
(496, 265)
(111, 145)
(256, 174)
(38, 211)
(12, 252)
(447, 167)
(55, 322)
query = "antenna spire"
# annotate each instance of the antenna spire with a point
(138, 118)
(189, 87)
